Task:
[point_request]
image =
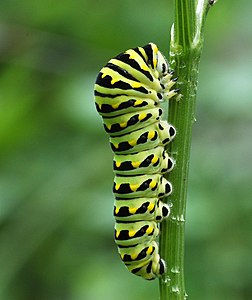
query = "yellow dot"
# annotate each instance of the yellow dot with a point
(113, 81)
(134, 256)
(132, 210)
(154, 159)
(134, 187)
(131, 233)
(151, 206)
(118, 163)
(135, 164)
(151, 134)
(115, 105)
(149, 230)
(124, 124)
(138, 102)
(132, 142)
(116, 210)
(117, 186)
(136, 84)
(149, 250)
(153, 184)
(142, 116)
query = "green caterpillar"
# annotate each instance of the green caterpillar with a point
(128, 92)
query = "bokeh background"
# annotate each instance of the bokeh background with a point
(56, 224)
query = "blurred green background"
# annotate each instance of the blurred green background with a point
(56, 224)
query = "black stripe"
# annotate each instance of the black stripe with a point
(121, 71)
(148, 75)
(96, 93)
(137, 50)
(123, 246)
(106, 82)
(107, 108)
(149, 52)
(124, 57)
(148, 269)
(134, 271)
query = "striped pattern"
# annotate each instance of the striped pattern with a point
(128, 92)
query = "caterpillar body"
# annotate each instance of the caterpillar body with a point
(128, 92)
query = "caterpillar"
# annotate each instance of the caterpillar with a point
(128, 91)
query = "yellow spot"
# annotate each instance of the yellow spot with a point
(115, 105)
(151, 206)
(124, 124)
(116, 210)
(117, 186)
(154, 159)
(134, 256)
(151, 134)
(135, 164)
(149, 230)
(103, 75)
(113, 81)
(131, 233)
(117, 233)
(138, 102)
(132, 210)
(132, 142)
(115, 145)
(150, 249)
(153, 184)
(142, 116)
(136, 84)
(118, 163)
(134, 187)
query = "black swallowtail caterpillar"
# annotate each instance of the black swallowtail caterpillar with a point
(128, 92)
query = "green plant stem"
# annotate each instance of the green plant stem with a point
(185, 51)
